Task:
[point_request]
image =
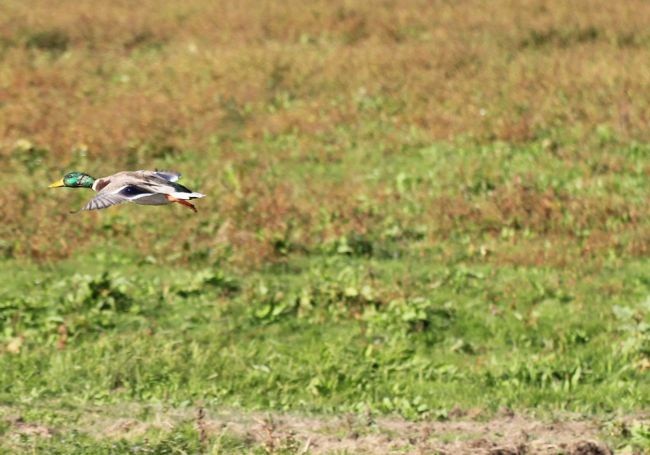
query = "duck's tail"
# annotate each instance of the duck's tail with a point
(182, 201)
(187, 196)
(183, 192)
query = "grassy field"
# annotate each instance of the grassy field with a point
(420, 215)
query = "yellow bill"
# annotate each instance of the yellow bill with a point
(57, 184)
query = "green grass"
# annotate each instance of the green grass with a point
(419, 314)
(336, 333)
(419, 211)
(346, 329)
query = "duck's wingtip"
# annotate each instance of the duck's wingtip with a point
(170, 176)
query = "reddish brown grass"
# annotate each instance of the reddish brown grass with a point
(110, 86)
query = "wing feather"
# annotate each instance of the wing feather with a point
(116, 196)
(168, 175)
(102, 201)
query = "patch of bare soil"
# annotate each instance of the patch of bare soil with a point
(20, 427)
(511, 435)
(506, 434)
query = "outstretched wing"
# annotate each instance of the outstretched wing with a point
(121, 194)
(101, 201)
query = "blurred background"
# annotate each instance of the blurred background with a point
(298, 120)
(428, 210)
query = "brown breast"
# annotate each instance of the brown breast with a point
(100, 184)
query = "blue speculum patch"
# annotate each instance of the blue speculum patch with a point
(133, 190)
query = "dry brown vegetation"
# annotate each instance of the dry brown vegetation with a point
(250, 99)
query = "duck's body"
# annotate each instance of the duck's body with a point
(140, 187)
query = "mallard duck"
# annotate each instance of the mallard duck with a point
(141, 187)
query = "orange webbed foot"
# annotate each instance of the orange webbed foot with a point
(182, 202)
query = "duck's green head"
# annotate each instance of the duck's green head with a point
(74, 180)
